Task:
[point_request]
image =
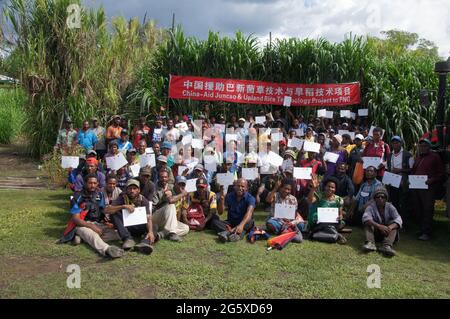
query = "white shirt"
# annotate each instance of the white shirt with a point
(396, 160)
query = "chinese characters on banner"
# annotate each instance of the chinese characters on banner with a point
(257, 92)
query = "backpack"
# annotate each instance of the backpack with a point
(195, 216)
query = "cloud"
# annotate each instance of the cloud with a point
(331, 19)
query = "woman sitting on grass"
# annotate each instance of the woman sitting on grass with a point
(325, 199)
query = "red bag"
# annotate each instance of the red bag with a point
(195, 216)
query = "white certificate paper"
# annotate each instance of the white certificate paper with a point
(250, 173)
(302, 172)
(138, 217)
(191, 185)
(70, 161)
(197, 143)
(330, 157)
(285, 211)
(260, 119)
(274, 159)
(296, 142)
(311, 147)
(418, 181)
(287, 101)
(148, 160)
(327, 215)
(392, 179)
(322, 113)
(363, 112)
(135, 170)
(116, 162)
(225, 179)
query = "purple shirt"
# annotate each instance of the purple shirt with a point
(331, 167)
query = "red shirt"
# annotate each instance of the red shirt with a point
(430, 165)
(381, 150)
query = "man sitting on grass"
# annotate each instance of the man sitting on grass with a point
(381, 223)
(88, 219)
(240, 205)
(165, 212)
(129, 200)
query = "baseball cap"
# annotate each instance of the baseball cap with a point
(241, 119)
(396, 138)
(94, 119)
(425, 140)
(201, 182)
(145, 171)
(124, 132)
(338, 137)
(132, 150)
(180, 180)
(115, 117)
(166, 145)
(91, 152)
(162, 158)
(359, 136)
(133, 182)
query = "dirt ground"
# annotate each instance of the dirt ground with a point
(17, 171)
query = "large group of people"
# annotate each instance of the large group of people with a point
(201, 169)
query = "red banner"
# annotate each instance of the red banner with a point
(257, 92)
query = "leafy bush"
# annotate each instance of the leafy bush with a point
(11, 114)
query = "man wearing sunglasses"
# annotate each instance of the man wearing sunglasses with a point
(381, 222)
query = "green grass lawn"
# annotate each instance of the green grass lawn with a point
(33, 266)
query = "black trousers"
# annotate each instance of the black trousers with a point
(127, 232)
(423, 205)
(218, 225)
(399, 198)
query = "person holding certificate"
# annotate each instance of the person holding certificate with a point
(429, 165)
(399, 162)
(329, 200)
(284, 206)
(128, 203)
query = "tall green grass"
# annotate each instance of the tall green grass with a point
(12, 114)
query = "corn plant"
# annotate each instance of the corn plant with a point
(81, 72)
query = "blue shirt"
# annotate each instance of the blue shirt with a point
(123, 146)
(365, 193)
(87, 139)
(237, 210)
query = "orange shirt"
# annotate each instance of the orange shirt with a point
(113, 132)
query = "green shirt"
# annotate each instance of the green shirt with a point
(321, 202)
